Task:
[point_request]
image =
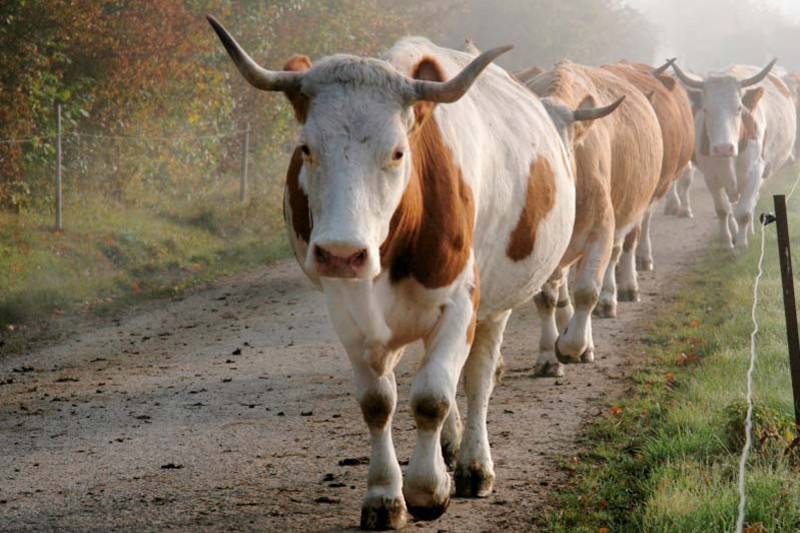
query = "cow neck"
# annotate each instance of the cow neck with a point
(430, 234)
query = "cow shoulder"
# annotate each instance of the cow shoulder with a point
(430, 235)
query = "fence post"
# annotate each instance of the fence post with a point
(789, 304)
(59, 225)
(245, 150)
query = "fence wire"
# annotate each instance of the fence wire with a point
(748, 424)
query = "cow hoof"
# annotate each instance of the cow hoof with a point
(450, 452)
(548, 369)
(475, 481)
(628, 295)
(587, 356)
(565, 358)
(427, 514)
(685, 213)
(644, 264)
(380, 514)
(605, 310)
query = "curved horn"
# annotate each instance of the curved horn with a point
(451, 90)
(686, 79)
(758, 77)
(259, 77)
(596, 112)
(660, 70)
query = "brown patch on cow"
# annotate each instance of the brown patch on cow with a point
(475, 296)
(428, 69)
(539, 200)
(752, 97)
(429, 410)
(782, 88)
(430, 234)
(377, 409)
(299, 101)
(298, 201)
(747, 130)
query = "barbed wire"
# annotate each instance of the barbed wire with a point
(126, 137)
(27, 140)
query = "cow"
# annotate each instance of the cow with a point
(674, 112)
(745, 132)
(792, 81)
(617, 163)
(426, 203)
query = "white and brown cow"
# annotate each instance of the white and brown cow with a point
(674, 112)
(399, 210)
(745, 132)
(617, 162)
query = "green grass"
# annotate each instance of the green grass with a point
(110, 254)
(666, 458)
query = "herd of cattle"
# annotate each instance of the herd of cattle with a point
(433, 222)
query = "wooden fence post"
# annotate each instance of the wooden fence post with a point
(789, 304)
(245, 150)
(59, 225)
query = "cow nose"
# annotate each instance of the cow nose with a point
(340, 260)
(723, 150)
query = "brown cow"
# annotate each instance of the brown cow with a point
(617, 163)
(674, 111)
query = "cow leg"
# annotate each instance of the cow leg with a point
(746, 205)
(575, 342)
(644, 251)
(475, 470)
(724, 215)
(607, 304)
(628, 284)
(451, 437)
(672, 201)
(564, 309)
(383, 507)
(433, 393)
(547, 364)
(683, 185)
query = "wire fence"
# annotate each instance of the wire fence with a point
(65, 145)
(748, 425)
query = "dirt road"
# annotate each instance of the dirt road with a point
(232, 410)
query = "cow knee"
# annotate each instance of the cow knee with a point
(377, 407)
(545, 300)
(585, 297)
(430, 409)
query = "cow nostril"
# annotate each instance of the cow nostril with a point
(321, 255)
(359, 259)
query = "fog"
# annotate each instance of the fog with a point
(704, 34)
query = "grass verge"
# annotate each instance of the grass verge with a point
(111, 255)
(666, 457)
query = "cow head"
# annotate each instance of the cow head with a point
(723, 101)
(573, 124)
(356, 115)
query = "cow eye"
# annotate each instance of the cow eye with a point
(305, 149)
(398, 155)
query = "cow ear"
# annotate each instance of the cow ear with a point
(427, 69)
(752, 97)
(667, 81)
(695, 99)
(299, 101)
(581, 128)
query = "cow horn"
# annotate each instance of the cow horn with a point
(758, 77)
(451, 90)
(596, 112)
(660, 70)
(259, 77)
(687, 80)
